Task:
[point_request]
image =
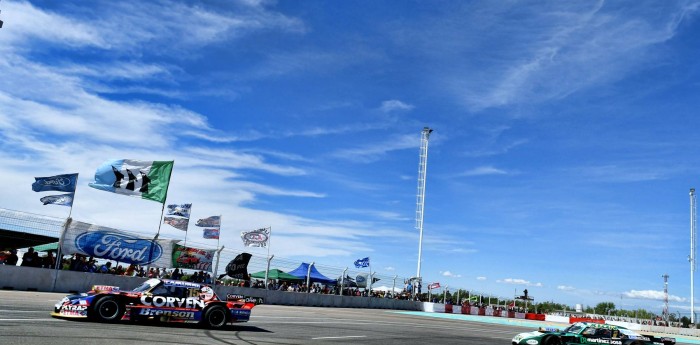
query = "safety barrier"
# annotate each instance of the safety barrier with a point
(47, 280)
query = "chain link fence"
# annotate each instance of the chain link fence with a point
(17, 223)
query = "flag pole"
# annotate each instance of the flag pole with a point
(371, 278)
(267, 269)
(75, 190)
(218, 240)
(150, 253)
(160, 223)
(187, 228)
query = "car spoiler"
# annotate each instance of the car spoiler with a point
(105, 288)
(245, 299)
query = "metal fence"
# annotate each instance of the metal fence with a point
(28, 223)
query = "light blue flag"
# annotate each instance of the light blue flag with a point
(61, 199)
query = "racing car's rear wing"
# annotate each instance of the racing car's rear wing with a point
(105, 288)
(245, 299)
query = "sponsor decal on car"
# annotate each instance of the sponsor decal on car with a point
(605, 341)
(173, 302)
(166, 312)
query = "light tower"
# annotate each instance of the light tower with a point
(691, 257)
(665, 312)
(420, 197)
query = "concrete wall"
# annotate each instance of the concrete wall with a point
(41, 279)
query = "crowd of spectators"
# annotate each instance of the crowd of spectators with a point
(82, 263)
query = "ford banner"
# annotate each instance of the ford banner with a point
(111, 244)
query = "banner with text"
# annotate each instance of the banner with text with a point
(111, 244)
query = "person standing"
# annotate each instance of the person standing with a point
(28, 258)
(12, 258)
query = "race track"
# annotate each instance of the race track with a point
(24, 319)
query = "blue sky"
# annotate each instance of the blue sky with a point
(561, 160)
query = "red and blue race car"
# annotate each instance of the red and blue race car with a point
(162, 300)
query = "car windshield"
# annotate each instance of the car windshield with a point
(575, 328)
(147, 285)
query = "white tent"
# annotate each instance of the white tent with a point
(386, 288)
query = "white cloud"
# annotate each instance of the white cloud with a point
(480, 278)
(565, 288)
(395, 105)
(375, 151)
(516, 281)
(651, 295)
(483, 171)
(542, 52)
(389, 268)
(450, 274)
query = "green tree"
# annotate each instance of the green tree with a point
(602, 308)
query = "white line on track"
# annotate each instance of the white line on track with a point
(347, 336)
(29, 320)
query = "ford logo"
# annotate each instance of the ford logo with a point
(118, 247)
(360, 279)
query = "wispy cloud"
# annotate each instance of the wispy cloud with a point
(516, 281)
(565, 288)
(395, 105)
(557, 49)
(483, 171)
(375, 151)
(481, 278)
(628, 172)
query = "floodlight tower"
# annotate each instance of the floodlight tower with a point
(420, 197)
(665, 312)
(691, 257)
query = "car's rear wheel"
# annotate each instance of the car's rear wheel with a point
(215, 317)
(551, 340)
(108, 309)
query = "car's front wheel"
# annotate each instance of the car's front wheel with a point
(108, 309)
(215, 317)
(551, 340)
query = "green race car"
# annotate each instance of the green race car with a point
(589, 333)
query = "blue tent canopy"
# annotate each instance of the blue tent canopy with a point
(316, 276)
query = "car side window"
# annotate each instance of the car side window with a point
(170, 291)
(602, 333)
(588, 332)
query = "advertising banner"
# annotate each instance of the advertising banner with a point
(111, 244)
(192, 258)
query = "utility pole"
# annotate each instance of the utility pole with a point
(665, 312)
(420, 197)
(691, 257)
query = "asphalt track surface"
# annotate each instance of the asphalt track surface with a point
(24, 319)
